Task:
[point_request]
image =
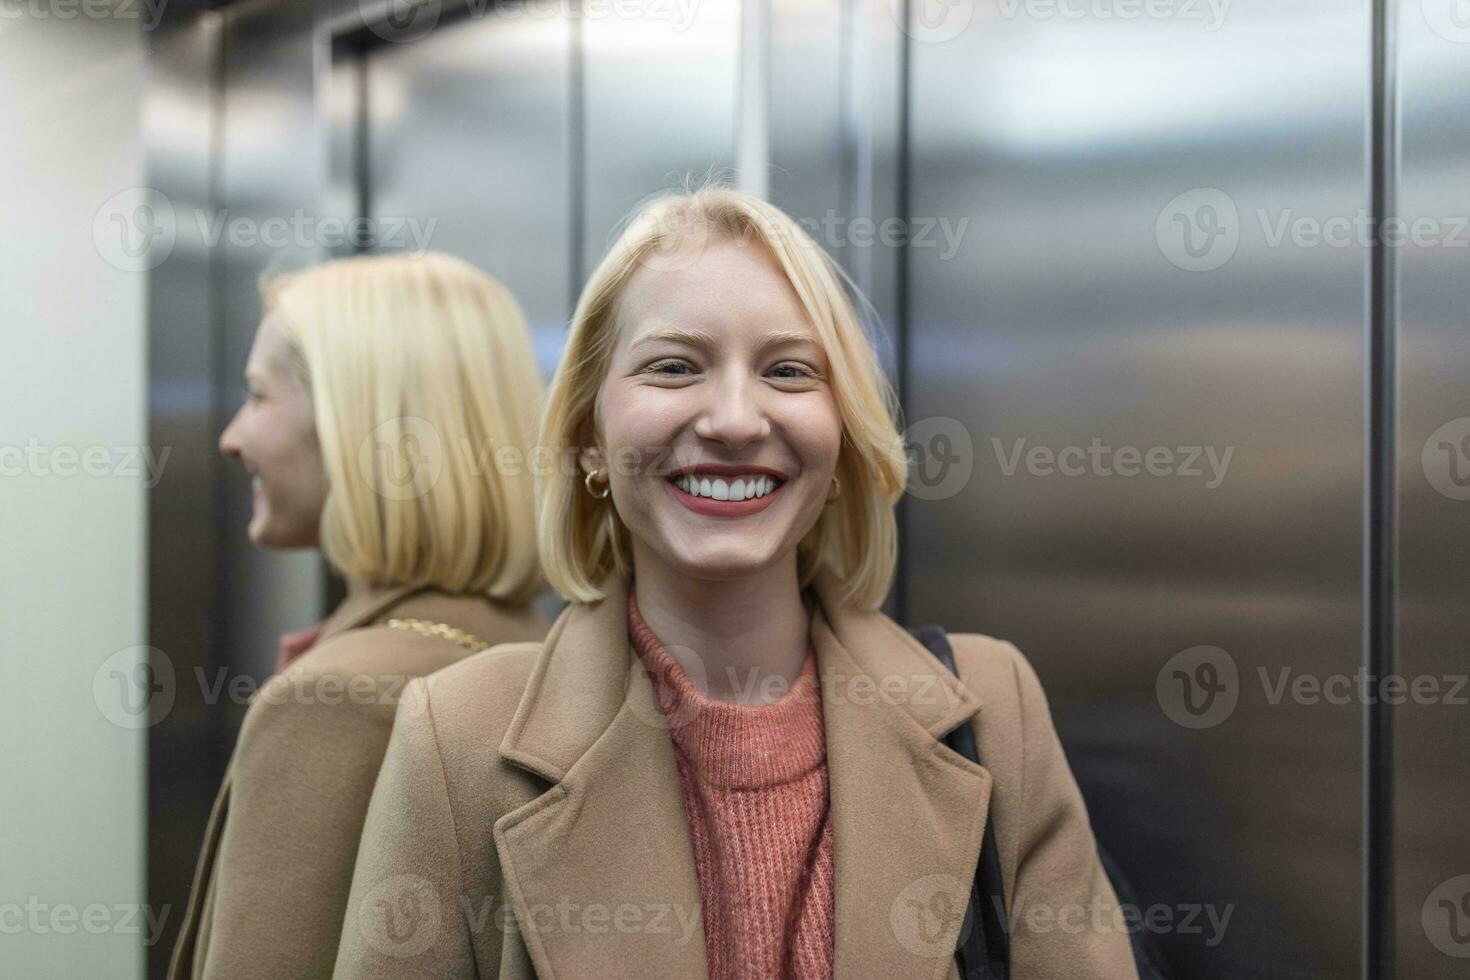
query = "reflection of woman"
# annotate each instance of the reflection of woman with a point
(771, 795)
(379, 392)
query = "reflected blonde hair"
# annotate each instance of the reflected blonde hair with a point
(582, 538)
(419, 365)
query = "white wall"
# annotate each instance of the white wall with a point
(72, 534)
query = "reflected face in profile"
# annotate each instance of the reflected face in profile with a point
(274, 436)
(716, 421)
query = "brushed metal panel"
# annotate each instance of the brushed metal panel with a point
(659, 89)
(469, 135)
(1432, 724)
(1073, 313)
(179, 126)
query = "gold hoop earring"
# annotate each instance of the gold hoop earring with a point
(836, 490)
(588, 484)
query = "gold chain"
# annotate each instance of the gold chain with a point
(469, 641)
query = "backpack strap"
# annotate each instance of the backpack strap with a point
(984, 950)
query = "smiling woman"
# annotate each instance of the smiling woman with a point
(699, 730)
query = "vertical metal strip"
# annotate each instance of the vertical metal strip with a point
(752, 93)
(222, 386)
(1380, 565)
(903, 321)
(362, 148)
(576, 154)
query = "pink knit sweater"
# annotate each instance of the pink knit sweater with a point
(754, 779)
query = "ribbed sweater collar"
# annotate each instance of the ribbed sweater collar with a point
(737, 746)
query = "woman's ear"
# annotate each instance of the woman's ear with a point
(590, 459)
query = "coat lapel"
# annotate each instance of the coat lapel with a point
(908, 813)
(599, 870)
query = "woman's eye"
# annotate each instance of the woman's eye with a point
(798, 371)
(661, 367)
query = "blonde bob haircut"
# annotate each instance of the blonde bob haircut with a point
(422, 379)
(581, 536)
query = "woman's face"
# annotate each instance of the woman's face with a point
(274, 436)
(716, 374)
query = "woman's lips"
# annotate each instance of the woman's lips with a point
(711, 507)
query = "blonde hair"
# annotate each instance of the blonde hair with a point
(582, 538)
(421, 376)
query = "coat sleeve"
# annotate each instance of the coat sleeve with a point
(1065, 920)
(405, 915)
(302, 775)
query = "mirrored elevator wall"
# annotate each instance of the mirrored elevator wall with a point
(1135, 384)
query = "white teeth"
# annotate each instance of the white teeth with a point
(718, 488)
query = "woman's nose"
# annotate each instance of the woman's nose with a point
(229, 443)
(734, 415)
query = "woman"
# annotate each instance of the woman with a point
(723, 760)
(382, 392)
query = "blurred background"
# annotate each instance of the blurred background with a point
(1179, 430)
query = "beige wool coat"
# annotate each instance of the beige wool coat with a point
(528, 819)
(276, 863)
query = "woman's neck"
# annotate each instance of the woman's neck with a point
(748, 636)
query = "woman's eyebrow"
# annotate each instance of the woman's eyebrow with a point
(702, 339)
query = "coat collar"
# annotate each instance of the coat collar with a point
(361, 608)
(611, 833)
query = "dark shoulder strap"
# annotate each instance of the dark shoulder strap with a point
(984, 950)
